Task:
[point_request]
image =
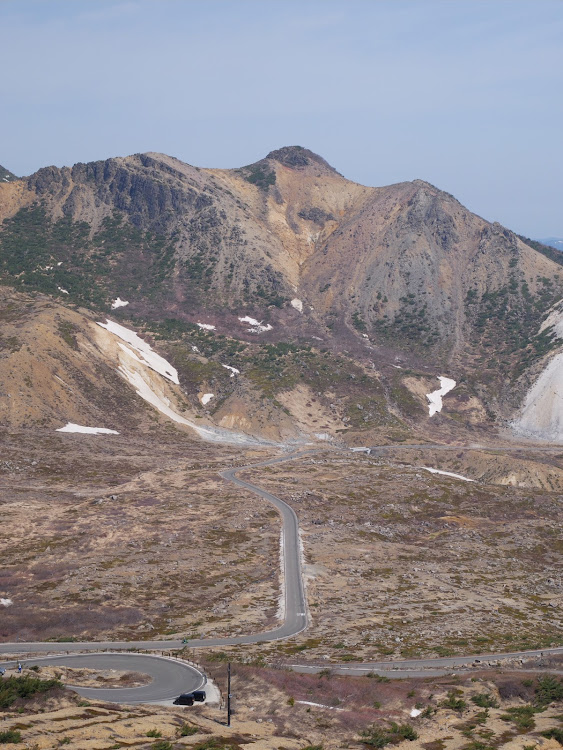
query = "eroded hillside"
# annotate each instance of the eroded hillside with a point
(293, 269)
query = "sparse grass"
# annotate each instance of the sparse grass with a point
(522, 716)
(186, 730)
(162, 745)
(379, 736)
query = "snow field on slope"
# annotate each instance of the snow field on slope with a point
(71, 427)
(446, 473)
(435, 398)
(142, 355)
(233, 370)
(162, 404)
(257, 326)
(148, 356)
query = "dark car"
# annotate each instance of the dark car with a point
(187, 699)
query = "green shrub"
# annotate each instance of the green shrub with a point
(378, 736)
(12, 688)
(555, 733)
(548, 690)
(485, 700)
(10, 736)
(214, 743)
(454, 702)
(154, 733)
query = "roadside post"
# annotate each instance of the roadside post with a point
(229, 694)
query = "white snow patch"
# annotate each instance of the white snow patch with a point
(233, 370)
(148, 356)
(317, 338)
(297, 304)
(398, 367)
(323, 436)
(6, 602)
(206, 398)
(361, 449)
(257, 326)
(435, 398)
(319, 705)
(60, 263)
(64, 291)
(415, 712)
(446, 473)
(206, 326)
(118, 303)
(196, 350)
(71, 427)
(365, 336)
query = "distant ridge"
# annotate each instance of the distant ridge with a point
(556, 242)
(6, 175)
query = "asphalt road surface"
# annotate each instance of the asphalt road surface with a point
(169, 677)
(295, 619)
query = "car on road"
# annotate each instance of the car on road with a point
(187, 699)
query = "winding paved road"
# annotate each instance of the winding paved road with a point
(169, 677)
(165, 683)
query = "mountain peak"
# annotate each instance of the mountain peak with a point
(298, 157)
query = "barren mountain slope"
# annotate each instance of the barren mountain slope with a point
(379, 275)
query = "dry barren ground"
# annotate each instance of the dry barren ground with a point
(405, 563)
(130, 538)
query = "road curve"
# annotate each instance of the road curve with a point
(296, 619)
(295, 616)
(169, 677)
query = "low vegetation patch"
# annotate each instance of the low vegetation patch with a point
(485, 700)
(9, 737)
(12, 688)
(378, 736)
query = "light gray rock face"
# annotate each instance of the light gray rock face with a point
(542, 414)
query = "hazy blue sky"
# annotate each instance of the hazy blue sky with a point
(467, 94)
